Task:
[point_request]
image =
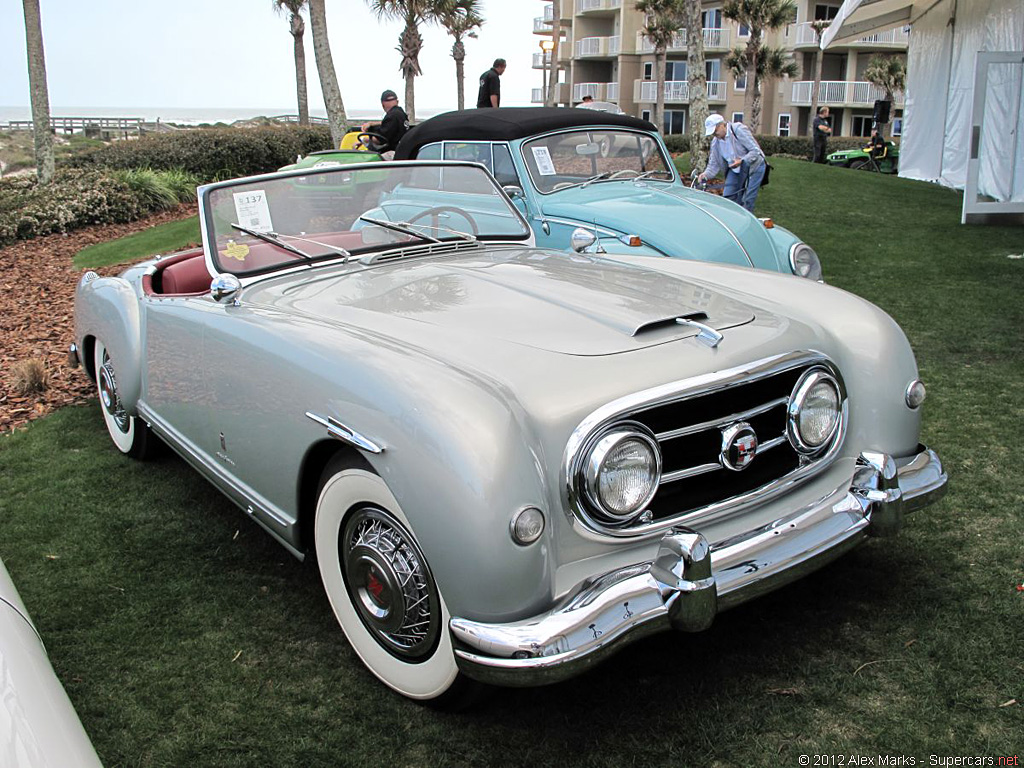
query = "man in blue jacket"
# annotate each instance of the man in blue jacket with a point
(735, 153)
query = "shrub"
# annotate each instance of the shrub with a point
(30, 376)
(791, 146)
(211, 154)
(149, 187)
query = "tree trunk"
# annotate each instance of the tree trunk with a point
(698, 88)
(298, 30)
(328, 77)
(459, 54)
(815, 88)
(410, 43)
(551, 97)
(753, 86)
(755, 113)
(659, 101)
(40, 95)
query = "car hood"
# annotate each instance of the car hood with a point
(570, 304)
(669, 217)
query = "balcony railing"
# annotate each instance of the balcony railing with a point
(598, 46)
(675, 91)
(596, 90)
(582, 6)
(839, 93)
(541, 60)
(537, 96)
(714, 39)
(896, 38)
(549, 12)
(611, 91)
(541, 26)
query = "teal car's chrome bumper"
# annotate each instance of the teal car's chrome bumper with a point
(690, 581)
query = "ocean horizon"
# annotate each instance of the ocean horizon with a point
(196, 115)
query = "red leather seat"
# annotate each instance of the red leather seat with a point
(188, 276)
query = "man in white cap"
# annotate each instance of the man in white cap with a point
(734, 152)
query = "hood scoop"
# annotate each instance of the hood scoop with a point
(705, 333)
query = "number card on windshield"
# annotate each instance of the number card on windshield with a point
(545, 167)
(253, 211)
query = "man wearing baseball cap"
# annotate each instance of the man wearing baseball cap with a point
(392, 127)
(735, 152)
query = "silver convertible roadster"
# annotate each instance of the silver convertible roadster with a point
(508, 461)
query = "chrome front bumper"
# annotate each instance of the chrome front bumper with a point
(690, 581)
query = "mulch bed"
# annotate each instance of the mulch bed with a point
(37, 314)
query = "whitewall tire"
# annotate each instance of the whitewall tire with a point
(380, 586)
(128, 433)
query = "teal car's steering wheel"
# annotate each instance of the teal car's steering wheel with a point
(436, 211)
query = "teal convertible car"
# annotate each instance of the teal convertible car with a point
(602, 183)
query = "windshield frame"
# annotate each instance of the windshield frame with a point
(207, 229)
(595, 128)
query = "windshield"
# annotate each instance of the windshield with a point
(561, 160)
(282, 220)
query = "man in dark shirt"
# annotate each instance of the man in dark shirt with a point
(392, 127)
(821, 132)
(490, 86)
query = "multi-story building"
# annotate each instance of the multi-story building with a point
(603, 53)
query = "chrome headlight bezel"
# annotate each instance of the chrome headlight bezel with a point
(804, 261)
(591, 468)
(811, 379)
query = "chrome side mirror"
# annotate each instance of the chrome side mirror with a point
(224, 287)
(513, 192)
(581, 239)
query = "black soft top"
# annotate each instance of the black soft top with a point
(505, 124)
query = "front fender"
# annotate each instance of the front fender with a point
(107, 308)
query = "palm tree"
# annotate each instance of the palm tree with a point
(697, 83)
(297, 29)
(328, 77)
(890, 74)
(460, 18)
(759, 16)
(664, 18)
(39, 94)
(410, 42)
(772, 63)
(819, 28)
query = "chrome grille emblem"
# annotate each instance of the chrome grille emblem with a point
(739, 446)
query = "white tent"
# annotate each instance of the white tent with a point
(940, 133)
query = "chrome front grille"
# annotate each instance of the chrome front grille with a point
(689, 419)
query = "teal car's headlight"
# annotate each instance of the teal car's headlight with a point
(804, 261)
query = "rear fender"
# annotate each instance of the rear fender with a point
(107, 309)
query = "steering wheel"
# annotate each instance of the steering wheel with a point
(436, 211)
(380, 141)
(620, 174)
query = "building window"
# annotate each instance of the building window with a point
(711, 19)
(825, 12)
(741, 84)
(645, 115)
(648, 70)
(675, 70)
(897, 126)
(862, 125)
(784, 124)
(744, 31)
(737, 117)
(713, 70)
(675, 121)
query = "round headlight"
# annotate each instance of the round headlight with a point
(814, 411)
(621, 474)
(915, 394)
(805, 261)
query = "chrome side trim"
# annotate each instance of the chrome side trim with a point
(716, 423)
(622, 408)
(346, 434)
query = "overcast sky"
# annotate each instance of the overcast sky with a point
(238, 53)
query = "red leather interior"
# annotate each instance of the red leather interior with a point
(186, 276)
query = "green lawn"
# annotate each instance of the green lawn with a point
(186, 637)
(163, 238)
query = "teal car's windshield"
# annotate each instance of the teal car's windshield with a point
(261, 224)
(562, 160)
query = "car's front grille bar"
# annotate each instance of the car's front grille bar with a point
(703, 469)
(719, 423)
